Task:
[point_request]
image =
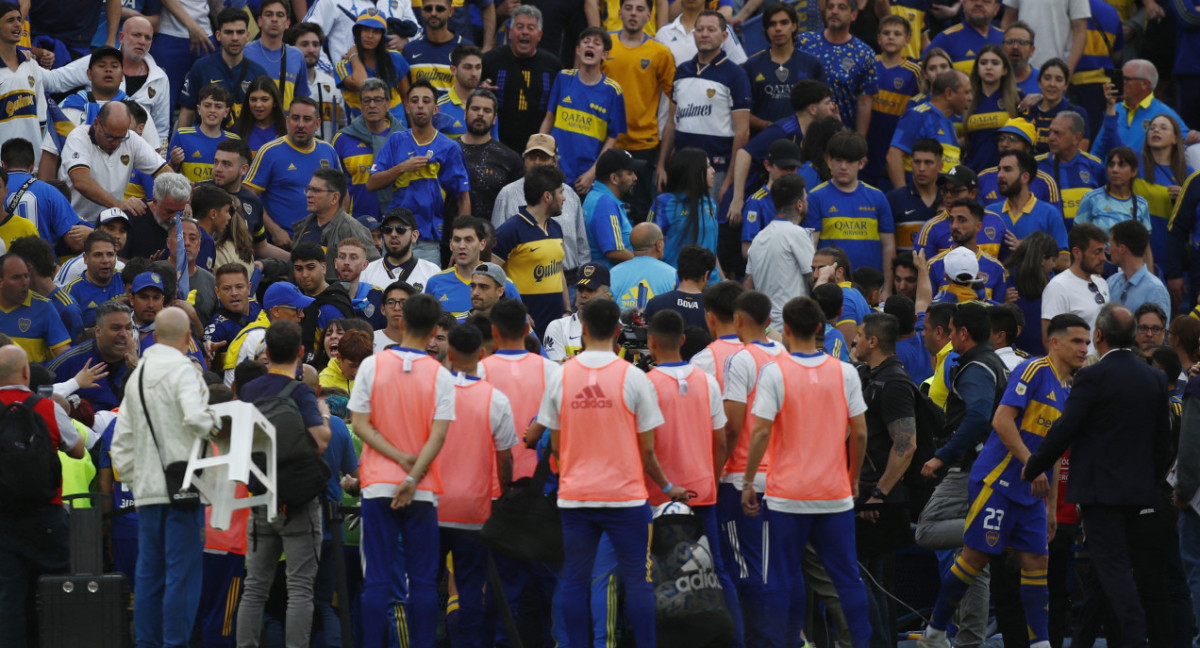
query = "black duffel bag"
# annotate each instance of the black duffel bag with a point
(525, 524)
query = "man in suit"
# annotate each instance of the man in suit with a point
(1116, 424)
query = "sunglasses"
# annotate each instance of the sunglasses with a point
(394, 229)
(1096, 292)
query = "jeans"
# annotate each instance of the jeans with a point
(298, 536)
(400, 566)
(30, 546)
(169, 575)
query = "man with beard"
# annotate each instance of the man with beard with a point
(849, 64)
(1019, 135)
(466, 64)
(529, 248)
(358, 144)
(352, 258)
(966, 219)
(308, 38)
(490, 165)
(113, 346)
(428, 55)
(487, 288)
(1080, 290)
(604, 214)
(98, 283)
(964, 40)
(230, 163)
(1021, 211)
(521, 75)
(429, 167)
(398, 263)
(230, 66)
(235, 310)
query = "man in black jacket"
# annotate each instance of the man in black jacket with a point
(1116, 425)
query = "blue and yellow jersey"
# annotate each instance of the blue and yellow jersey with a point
(533, 260)
(68, 312)
(368, 303)
(897, 86)
(141, 185)
(771, 83)
(212, 69)
(260, 136)
(88, 295)
(425, 190)
(430, 62)
(607, 223)
(934, 237)
(854, 305)
(14, 227)
(835, 343)
(584, 117)
(849, 70)
(281, 171)
(706, 96)
(914, 11)
(224, 325)
(1036, 216)
(36, 327)
(963, 43)
(342, 71)
(294, 81)
(1043, 186)
(1038, 392)
(757, 213)
(982, 125)
(1074, 179)
(357, 157)
(199, 151)
(992, 274)
(452, 291)
(1041, 121)
(852, 221)
(926, 121)
(1105, 37)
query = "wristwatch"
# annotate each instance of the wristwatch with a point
(878, 494)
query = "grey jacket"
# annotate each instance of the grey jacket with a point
(341, 227)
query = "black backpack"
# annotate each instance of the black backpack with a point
(302, 471)
(689, 602)
(30, 470)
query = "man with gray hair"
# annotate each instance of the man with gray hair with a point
(358, 144)
(490, 165)
(148, 231)
(1125, 121)
(1075, 171)
(98, 160)
(165, 409)
(521, 75)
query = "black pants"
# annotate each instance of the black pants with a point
(1006, 592)
(30, 546)
(1111, 537)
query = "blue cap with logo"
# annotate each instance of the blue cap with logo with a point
(147, 280)
(592, 276)
(282, 293)
(372, 18)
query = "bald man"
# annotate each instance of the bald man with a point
(646, 270)
(145, 82)
(164, 411)
(33, 541)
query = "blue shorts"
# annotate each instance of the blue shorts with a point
(995, 522)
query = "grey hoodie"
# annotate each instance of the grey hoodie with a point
(358, 130)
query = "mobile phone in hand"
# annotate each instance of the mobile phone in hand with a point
(1118, 80)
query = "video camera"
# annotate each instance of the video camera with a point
(634, 336)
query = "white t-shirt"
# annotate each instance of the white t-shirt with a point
(1052, 20)
(742, 374)
(769, 400)
(382, 341)
(196, 9)
(563, 338)
(360, 402)
(638, 396)
(504, 435)
(379, 274)
(110, 171)
(778, 259)
(1067, 293)
(682, 43)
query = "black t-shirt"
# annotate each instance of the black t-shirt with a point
(889, 396)
(689, 305)
(491, 167)
(133, 83)
(522, 104)
(146, 237)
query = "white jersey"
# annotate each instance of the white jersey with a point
(380, 274)
(196, 9)
(564, 338)
(323, 89)
(154, 95)
(110, 171)
(337, 18)
(22, 101)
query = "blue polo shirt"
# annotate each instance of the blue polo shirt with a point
(584, 117)
(962, 42)
(1036, 216)
(1074, 179)
(424, 191)
(915, 358)
(852, 220)
(909, 213)
(280, 173)
(533, 259)
(1128, 127)
(705, 100)
(607, 224)
(88, 295)
(108, 391)
(854, 305)
(1141, 288)
(771, 83)
(212, 69)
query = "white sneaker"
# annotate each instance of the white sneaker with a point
(933, 639)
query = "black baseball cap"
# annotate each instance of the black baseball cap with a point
(960, 176)
(785, 153)
(614, 160)
(402, 214)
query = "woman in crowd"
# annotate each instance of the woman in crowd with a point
(1053, 82)
(236, 244)
(685, 212)
(1115, 201)
(1030, 266)
(1162, 172)
(370, 58)
(994, 101)
(261, 120)
(934, 62)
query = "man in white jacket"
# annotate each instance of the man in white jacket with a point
(164, 410)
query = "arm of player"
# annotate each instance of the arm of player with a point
(718, 452)
(735, 415)
(654, 469)
(760, 436)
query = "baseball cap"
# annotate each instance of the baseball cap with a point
(960, 176)
(541, 142)
(106, 52)
(593, 275)
(113, 213)
(370, 222)
(961, 265)
(147, 280)
(282, 293)
(492, 270)
(371, 18)
(1021, 128)
(614, 160)
(784, 153)
(402, 214)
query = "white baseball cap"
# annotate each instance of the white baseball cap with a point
(112, 213)
(961, 265)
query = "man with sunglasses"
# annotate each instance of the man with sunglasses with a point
(327, 223)
(97, 163)
(934, 237)
(398, 263)
(1080, 290)
(428, 56)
